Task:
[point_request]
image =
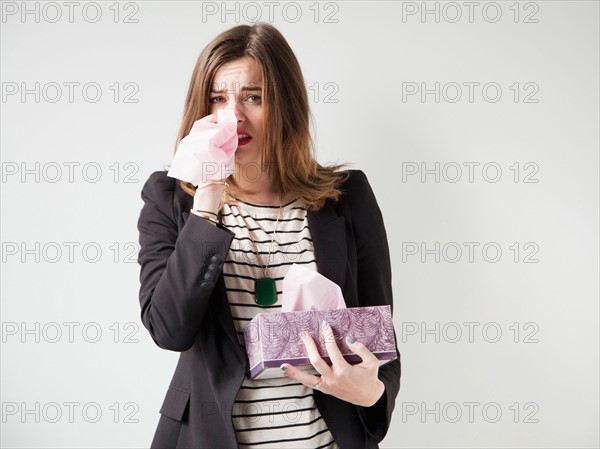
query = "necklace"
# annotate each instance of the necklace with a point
(265, 290)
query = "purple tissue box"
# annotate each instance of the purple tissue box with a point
(273, 338)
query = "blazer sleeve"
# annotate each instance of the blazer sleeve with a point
(374, 283)
(178, 270)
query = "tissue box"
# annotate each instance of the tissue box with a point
(273, 338)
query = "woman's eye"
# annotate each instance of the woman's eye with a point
(254, 98)
(216, 99)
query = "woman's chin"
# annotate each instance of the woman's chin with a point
(244, 157)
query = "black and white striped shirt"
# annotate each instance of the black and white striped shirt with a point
(281, 412)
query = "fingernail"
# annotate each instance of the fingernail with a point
(350, 339)
(283, 367)
(324, 324)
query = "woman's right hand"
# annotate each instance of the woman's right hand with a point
(206, 154)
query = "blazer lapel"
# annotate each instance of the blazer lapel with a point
(328, 231)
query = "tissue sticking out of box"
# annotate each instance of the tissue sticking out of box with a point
(305, 289)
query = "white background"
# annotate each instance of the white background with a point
(370, 52)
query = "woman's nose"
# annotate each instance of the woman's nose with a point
(236, 107)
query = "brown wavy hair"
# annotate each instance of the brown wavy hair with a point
(287, 155)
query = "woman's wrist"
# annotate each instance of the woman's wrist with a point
(208, 197)
(206, 216)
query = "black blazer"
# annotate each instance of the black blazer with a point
(184, 306)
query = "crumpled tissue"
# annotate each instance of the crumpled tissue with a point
(207, 152)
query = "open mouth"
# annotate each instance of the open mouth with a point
(243, 139)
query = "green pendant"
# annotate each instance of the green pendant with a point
(265, 291)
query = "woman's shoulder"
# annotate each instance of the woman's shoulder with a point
(355, 178)
(159, 180)
(159, 189)
(358, 200)
(167, 195)
(356, 185)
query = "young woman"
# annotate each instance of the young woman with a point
(202, 250)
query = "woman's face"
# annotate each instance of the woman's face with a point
(238, 86)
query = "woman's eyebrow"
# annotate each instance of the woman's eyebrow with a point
(252, 87)
(246, 88)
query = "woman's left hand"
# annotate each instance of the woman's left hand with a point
(357, 384)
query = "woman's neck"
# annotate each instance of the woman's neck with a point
(262, 198)
(260, 193)
(257, 188)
